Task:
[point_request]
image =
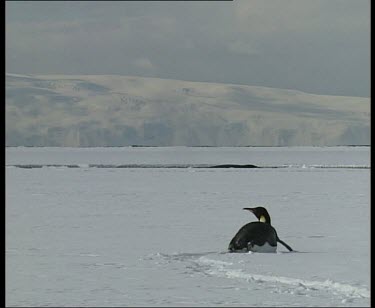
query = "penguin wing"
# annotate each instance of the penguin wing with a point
(256, 233)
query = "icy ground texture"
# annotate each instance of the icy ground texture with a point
(158, 237)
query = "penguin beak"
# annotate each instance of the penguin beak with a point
(249, 209)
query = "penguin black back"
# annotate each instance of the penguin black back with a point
(254, 233)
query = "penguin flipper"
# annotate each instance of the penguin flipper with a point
(285, 244)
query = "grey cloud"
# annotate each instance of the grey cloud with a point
(314, 46)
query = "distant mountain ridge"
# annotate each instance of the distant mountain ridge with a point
(113, 110)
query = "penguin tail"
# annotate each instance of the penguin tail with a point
(285, 244)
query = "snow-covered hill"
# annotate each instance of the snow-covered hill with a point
(111, 110)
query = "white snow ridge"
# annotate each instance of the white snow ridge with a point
(111, 110)
(295, 285)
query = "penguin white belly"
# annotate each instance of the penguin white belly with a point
(264, 248)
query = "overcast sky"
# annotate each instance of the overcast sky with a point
(316, 46)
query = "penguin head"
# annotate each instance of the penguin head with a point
(260, 213)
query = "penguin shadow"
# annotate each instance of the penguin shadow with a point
(271, 253)
(299, 251)
(187, 255)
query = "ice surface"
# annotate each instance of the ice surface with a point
(158, 236)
